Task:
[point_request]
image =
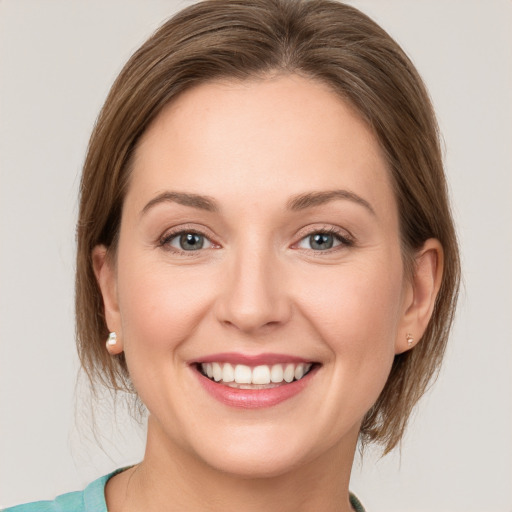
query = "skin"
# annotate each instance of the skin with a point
(257, 287)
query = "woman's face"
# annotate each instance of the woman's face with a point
(259, 240)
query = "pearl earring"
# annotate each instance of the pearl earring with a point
(410, 339)
(112, 339)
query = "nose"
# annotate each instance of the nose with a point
(254, 296)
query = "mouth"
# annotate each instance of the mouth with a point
(250, 382)
(263, 376)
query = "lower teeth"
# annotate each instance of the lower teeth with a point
(250, 386)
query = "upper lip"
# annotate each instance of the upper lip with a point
(250, 359)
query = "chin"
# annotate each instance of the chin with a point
(249, 455)
(249, 465)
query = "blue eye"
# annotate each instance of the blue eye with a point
(322, 241)
(188, 241)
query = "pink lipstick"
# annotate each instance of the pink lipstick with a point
(252, 381)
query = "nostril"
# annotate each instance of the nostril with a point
(250, 323)
(253, 298)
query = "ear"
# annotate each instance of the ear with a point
(420, 295)
(105, 273)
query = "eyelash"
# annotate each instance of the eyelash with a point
(342, 237)
(166, 239)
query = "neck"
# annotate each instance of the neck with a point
(173, 479)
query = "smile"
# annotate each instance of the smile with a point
(241, 376)
(250, 382)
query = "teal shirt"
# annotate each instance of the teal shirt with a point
(92, 499)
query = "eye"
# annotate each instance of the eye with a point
(187, 241)
(322, 241)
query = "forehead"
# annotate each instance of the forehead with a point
(267, 138)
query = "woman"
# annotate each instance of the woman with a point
(266, 255)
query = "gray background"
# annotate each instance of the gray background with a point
(57, 61)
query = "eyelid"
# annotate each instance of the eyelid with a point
(345, 238)
(171, 233)
(342, 235)
(177, 238)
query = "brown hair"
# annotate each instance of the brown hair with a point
(239, 39)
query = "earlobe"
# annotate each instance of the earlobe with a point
(114, 347)
(104, 271)
(424, 287)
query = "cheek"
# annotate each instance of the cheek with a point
(356, 311)
(353, 301)
(159, 309)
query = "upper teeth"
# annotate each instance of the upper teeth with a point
(262, 374)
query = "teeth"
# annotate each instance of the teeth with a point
(289, 372)
(243, 374)
(217, 372)
(228, 373)
(260, 375)
(299, 371)
(276, 373)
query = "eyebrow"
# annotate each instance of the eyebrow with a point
(296, 203)
(311, 199)
(193, 200)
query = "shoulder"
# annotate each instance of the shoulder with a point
(70, 502)
(91, 499)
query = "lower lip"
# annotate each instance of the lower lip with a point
(254, 398)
